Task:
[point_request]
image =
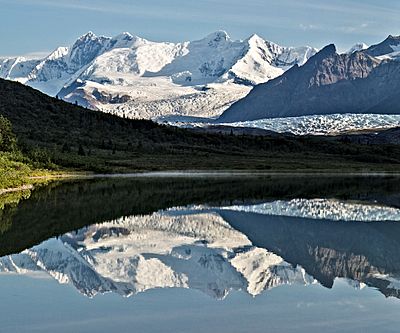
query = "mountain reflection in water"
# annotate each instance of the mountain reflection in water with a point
(212, 236)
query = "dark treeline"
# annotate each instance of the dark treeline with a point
(71, 136)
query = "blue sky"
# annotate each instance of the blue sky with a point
(28, 26)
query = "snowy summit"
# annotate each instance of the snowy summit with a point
(130, 75)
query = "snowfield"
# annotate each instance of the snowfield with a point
(154, 98)
(133, 77)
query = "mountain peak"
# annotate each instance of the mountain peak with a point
(217, 37)
(357, 47)
(327, 84)
(123, 40)
(255, 38)
(58, 53)
(393, 38)
(87, 36)
(329, 49)
(326, 52)
(389, 45)
(125, 36)
(85, 49)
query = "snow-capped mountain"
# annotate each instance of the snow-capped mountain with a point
(179, 83)
(361, 82)
(132, 76)
(133, 254)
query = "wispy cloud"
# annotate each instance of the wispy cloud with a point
(354, 28)
(307, 27)
(193, 12)
(30, 55)
(352, 8)
(72, 4)
(298, 21)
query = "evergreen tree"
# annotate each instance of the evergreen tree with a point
(66, 148)
(8, 141)
(81, 151)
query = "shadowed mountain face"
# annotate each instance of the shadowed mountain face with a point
(214, 235)
(329, 83)
(387, 47)
(363, 252)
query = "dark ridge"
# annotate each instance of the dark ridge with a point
(74, 137)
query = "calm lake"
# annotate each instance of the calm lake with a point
(202, 254)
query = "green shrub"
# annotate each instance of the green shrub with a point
(12, 173)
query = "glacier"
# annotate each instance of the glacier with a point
(333, 124)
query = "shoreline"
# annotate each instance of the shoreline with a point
(16, 189)
(235, 173)
(37, 180)
(200, 174)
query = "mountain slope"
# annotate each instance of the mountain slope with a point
(328, 83)
(128, 75)
(390, 45)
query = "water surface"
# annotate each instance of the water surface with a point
(219, 254)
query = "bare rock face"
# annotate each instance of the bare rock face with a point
(329, 83)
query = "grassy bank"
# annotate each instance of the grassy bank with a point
(13, 173)
(17, 171)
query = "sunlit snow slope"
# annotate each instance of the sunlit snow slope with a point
(131, 76)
